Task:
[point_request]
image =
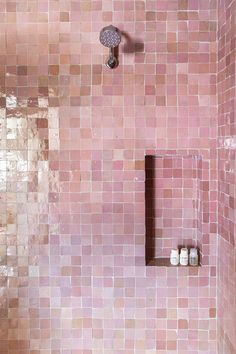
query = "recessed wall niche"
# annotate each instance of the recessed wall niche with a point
(173, 205)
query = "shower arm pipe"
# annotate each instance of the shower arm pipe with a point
(112, 61)
(111, 52)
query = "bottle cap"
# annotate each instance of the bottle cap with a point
(174, 252)
(184, 251)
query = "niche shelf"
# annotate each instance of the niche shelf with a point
(172, 205)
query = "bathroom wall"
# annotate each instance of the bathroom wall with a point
(74, 136)
(227, 172)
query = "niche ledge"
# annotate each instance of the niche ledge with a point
(165, 262)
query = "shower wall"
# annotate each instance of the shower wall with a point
(227, 179)
(74, 136)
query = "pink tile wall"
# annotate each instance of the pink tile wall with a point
(73, 139)
(227, 170)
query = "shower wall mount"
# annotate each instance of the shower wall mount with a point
(110, 37)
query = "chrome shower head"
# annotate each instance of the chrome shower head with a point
(110, 37)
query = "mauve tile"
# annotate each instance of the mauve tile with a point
(73, 183)
(226, 195)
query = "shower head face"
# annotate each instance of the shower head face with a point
(110, 36)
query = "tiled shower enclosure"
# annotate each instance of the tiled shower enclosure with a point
(73, 140)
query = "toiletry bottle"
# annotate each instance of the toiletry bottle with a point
(184, 256)
(193, 257)
(174, 256)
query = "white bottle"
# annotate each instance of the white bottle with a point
(184, 256)
(193, 257)
(174, 257)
